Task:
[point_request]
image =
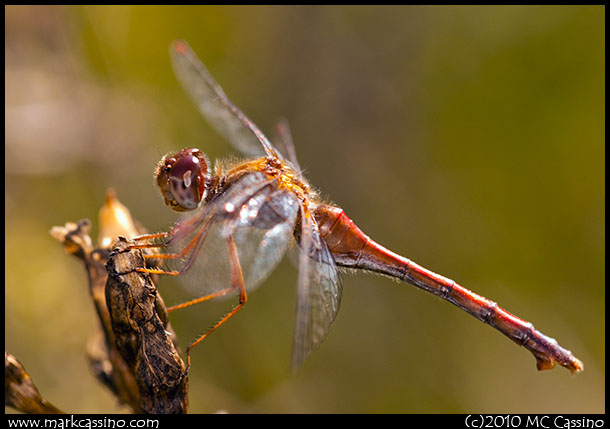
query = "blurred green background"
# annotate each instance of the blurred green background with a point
(469, 139)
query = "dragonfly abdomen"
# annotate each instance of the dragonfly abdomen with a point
(354, 249)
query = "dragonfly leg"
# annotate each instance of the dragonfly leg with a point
(147, 237)
(150, 236)
(200, 299)
(237, 282)
(195, 242)
(176, 234)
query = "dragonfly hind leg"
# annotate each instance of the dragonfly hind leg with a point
(237, 282)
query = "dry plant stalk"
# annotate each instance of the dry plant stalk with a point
(134, 353)
(139, 321)
(20, 392)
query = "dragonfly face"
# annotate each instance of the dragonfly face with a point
(183, 179)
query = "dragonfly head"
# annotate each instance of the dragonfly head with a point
(182, 178)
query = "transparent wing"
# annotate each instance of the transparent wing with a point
(319, 291)
(215, 106)
(282, 139)
(261, 219)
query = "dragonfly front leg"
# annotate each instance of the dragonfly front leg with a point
(191, 248)
(237, 282)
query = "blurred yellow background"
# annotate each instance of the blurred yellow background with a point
(469, 139)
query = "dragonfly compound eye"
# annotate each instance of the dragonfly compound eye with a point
(182, 179)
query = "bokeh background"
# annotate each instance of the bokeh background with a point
(469, 139)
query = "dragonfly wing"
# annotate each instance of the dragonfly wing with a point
(261, 219)
(214, 104)
(319, 291)
(263, 232)
(282, 139)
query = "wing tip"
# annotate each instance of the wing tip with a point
(179, 46)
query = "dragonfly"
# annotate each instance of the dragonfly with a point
(239, 218)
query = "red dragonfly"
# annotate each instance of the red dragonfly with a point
(243, 217)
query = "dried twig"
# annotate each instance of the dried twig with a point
(139, 320)
(105, 360)
(133, 354)
(20, 392)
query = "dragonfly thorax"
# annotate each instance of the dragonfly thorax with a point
(286, 176)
